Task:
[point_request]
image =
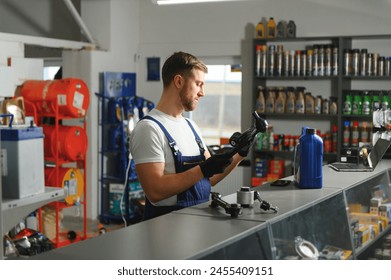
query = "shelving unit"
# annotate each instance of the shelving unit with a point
(61, 172)
(118, 179)
(13, 211)
(60, 108)
(69, 175)
(333, 85)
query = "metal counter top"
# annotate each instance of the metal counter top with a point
(201, 231)
(289, 200)
(167, 237)
(343, 180)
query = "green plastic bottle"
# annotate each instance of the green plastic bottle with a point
(357, 104)
(385, 102)
(347, 105)
(366, 103)
(375, 102)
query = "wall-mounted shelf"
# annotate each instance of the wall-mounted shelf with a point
(334, 85)
(15, 210)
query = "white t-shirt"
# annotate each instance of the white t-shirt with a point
(149, 144)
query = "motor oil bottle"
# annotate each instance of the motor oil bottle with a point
(346, 134)
(365, 133)
(355, 134)
(281, 29)
(260, 104)
(260, 30)
(309, 103)
(385, 102)
(297, 156)
(366, 103)
(357, 103)
(333, 107)
(375, 105)
(318, 105)
(291, 29)
(347, 105)
(271, 28)
(311, 159)
(300, 102)
(326, 106)
(270, 101)
(290, 103)
(334, 138)
(280, 103)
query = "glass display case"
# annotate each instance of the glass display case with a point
(320, 231)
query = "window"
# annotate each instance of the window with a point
(51, 66)
(219, 111)
(49, 72)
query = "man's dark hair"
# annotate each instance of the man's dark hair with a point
(181, 63)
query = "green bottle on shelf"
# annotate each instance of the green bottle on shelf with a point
(357, 104)
(375, 102)
(366, 104)
(385, 102)
(347, 105)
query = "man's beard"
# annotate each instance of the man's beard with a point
(188, 105)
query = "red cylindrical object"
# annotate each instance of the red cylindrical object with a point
(70, 179)
(72, 142)
(70, 94)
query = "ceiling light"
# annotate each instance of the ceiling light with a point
(173, 2)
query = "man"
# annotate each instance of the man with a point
(173, 165)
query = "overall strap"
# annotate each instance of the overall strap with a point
(197, 138)
(171, 141)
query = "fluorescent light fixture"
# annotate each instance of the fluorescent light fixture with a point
(173, 2)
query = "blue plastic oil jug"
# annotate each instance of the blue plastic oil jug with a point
(310, 154)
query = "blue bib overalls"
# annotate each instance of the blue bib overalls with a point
(198, 193)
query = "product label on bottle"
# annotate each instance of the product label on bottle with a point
(347, 108)
(354, 108)
(346, 137)
(365, 108)
(364, 136)
(290, 107)
(355, 136)
(270, 106)
(299, 107)
(279, 107)
(260, 107)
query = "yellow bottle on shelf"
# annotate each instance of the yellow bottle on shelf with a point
(271, 28)
(260, 30)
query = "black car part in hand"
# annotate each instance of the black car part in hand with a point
(240, 140)
(215, 164)
(266, 206)
(233, 209)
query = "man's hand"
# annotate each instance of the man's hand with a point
(243, 152)
(215, 164)
(247, 138)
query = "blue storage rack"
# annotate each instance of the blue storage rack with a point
(119, 185)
